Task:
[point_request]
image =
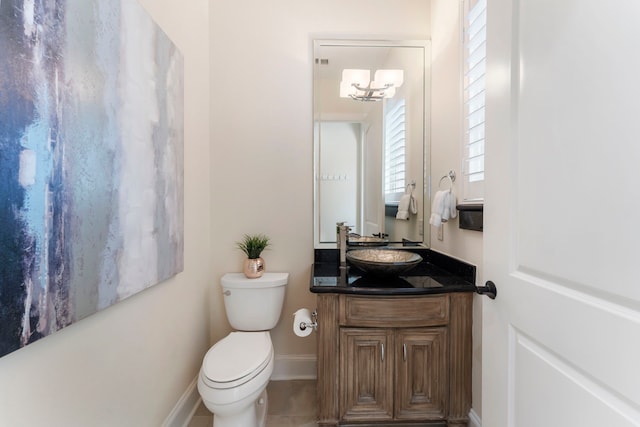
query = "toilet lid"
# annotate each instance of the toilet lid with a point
(237, 358)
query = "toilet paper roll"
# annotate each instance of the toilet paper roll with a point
(301, 317)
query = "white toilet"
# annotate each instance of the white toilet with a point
(236, 370)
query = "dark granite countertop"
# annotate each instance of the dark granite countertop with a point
(436, 274)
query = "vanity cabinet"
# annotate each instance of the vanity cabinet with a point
(385, 360)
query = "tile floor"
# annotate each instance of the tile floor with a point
(291, 404)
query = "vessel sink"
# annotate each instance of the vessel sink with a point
(383, 261)
(367, 241)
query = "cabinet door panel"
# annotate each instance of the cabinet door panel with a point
(366, 372)
(422, 374)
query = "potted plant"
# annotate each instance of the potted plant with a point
(253, 245)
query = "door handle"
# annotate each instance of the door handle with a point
(382, 351)
(404, 352)
(489, 289)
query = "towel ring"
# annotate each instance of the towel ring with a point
(410, 187)
(452, 177)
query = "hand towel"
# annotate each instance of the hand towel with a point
(449, 208)
(413, 206)
(403, 207)
(437, 209)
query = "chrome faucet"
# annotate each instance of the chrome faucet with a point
(342, 232)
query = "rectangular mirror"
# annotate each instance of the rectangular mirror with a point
(371, 139)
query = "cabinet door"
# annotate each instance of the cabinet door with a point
(422, 374)
(366, 374)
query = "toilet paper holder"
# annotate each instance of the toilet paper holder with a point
(314, 322)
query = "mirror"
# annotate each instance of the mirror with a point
(371, 139)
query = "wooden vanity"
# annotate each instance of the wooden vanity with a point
(394, 360)
(390, 358)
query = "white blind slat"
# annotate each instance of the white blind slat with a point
(476, 149)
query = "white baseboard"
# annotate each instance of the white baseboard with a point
(294, 367)
(183, 411)
(474, 419)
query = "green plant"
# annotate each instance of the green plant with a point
(253, 245)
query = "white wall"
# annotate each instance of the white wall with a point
(261, 129)
(128, 364)
(446, 154)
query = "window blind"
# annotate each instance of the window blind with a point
(474, 97)
(394, 151)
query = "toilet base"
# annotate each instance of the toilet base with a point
(254, 416)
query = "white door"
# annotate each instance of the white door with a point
(561, 342)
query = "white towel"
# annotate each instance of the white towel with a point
(437, 209)
(413, 206)
(403, 207)
(453, 202)
(449, 208)
(443, 207)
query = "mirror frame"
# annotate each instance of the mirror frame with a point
(426, 127)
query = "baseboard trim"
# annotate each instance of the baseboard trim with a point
(474, 419)
(294, 367)
(183, 411)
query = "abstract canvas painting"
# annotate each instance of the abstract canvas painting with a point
(91, 161)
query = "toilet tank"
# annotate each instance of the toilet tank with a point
(253, 304)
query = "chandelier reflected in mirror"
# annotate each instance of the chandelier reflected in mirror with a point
(357, 84)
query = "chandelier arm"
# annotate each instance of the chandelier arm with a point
(369, 97)
(373, 89)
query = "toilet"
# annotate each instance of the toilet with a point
(236, 370)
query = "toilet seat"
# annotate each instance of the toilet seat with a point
(236, 359)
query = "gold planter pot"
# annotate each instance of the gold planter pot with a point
(253, 268)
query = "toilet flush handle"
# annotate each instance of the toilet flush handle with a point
(227, 293)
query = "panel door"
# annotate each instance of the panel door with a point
(366, 371)
(422, 373)
(561, 342)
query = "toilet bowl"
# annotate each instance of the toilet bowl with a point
(233, 378)
(236, 370)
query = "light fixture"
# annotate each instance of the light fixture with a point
(356, 84)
